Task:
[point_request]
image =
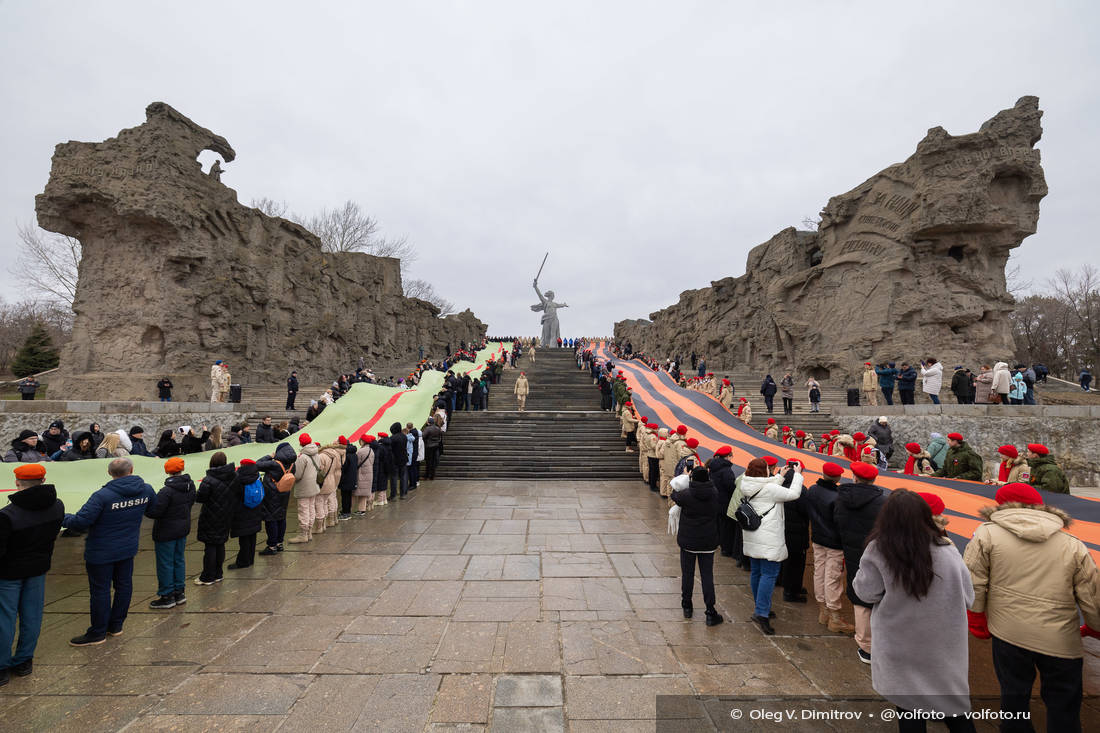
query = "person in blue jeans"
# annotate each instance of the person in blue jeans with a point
(28, 528)
(766, 546)
(112, 516)
(171, 515)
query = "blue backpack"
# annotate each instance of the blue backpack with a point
(253, 494)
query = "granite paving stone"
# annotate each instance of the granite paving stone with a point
(463, 698)
(528, 691)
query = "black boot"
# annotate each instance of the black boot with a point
(764, 624)
(688, 610)
(713, 617)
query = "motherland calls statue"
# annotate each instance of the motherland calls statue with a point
(550, 329)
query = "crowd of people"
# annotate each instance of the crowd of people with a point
(910, 589)
(992, 385)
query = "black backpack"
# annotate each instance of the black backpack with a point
(747, 517)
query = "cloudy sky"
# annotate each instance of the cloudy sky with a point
(646, 145)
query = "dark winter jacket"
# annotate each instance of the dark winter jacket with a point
(246, 520)
(884, 438)
(218, 504)
(97, 436)
(433, 435)
(349, 476)
(383, 460)
(164, 388)
(886, 377)
(856, 508)
(167, 446)
(724, 479)
(796, 523)
(1046, 475)
(907, 380)
(274, 506)
(399, 447)
(820, 501)
(52, 443)
(961, 384)
(292, 385)
(112, 517)
(138, 447)
(700, 504)
(28, 528)
(192, 443)
(265, 433)
(961, 462)
(172, 509)
(22, 453)
(74, 453)
(768, 387)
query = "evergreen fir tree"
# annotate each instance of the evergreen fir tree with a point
(36, 355)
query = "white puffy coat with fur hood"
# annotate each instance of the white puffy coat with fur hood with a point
(767, 495)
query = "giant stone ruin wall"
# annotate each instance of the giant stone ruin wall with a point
(909, 264)
(176, 273)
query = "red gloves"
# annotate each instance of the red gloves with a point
(1087, 630)
(976, 625)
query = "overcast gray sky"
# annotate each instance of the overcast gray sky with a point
(648, 146)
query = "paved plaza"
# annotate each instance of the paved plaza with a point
(506, 606)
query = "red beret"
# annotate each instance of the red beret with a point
(247, 462)
(834, 431)
(304, 439)
(786, 428)
(859, 436)
(1018, 493)
(692, 443)
(743, 399)
(912, 447)
(935, 503)
(628, 402)
(864, 471)
(866, 363)
(771, 421)
(368, 438)
(681, 429)
(770, 460)
(644, 420)
(726, 381)
(342, 440)
(800, 433)
(30, 471)
(832, 470)
(1038, 449)
(723, 450)
(955, 436)
(710, 374)
(383, 436)
(1009, 451)
(653, 426)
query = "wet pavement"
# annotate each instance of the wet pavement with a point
(494, 605)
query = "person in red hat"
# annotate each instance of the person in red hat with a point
(723, 476)
(653, 457)
(29, 524)
(725, 395)
(744, 411)
(869, 385)
(1029, 601)
(629, 425)
(1012, 468)
(917, 461)
(961, 462)
(845, 447)
(1045, 473)
(772, 431)
(920, 589)
(857, 506)
(827, 549)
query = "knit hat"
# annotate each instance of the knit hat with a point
(30, 471)
(682, 429)
(137, 430)
(913, 448)
(1018, 493)
(723, 450)
(1038, 449)
(955, 436)
(1009, 451)
(832, 470)
(173, 465)
(24, 434)
(304, 439)
(864, 471)
(770, 460)
(692, 443)
(935, 503)
(342, 440)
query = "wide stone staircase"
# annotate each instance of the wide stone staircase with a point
(562, 435)
(270, 400)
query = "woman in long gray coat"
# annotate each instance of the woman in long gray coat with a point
(920, 589)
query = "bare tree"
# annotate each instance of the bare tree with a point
(1079, 289)
(48, 263)
(422, 289)
(811, 223)
(17, 319)
(270, 206)
(349, 229)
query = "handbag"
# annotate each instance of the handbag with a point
(747, 516)
(995, 398)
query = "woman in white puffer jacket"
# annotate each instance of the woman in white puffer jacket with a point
(767, 545)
